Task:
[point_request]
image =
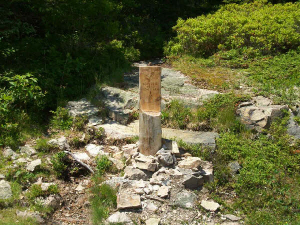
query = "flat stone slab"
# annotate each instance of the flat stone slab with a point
(210, 205)
(191, 137)
(127, 200)
(185, 199)
(5, 190)
(118, 131)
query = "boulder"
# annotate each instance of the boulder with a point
(293, 128)
(135, 174)
(8, 152)
(258, 117)
(33, 165)
(165, 157)
(146, 163)
(5, 190)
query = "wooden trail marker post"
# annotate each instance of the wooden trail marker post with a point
(150, 116)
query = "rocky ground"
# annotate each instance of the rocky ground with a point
(163, 189)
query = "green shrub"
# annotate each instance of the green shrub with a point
(42, 145)
(103, 164)
(79, 122)
(61, 119)
(60, 164)
(247, 30)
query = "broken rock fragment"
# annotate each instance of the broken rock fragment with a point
(210, 205)
(134, 173)
(163, 191)
(146, 163)
(190, 163)
(193, 182)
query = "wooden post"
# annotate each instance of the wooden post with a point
(150, 115)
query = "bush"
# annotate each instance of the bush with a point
(61, 119)
(103, 164)
(247, 30)
(42, 145)
(60, 164)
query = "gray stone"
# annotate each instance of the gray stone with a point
(116, 182)
(33, 165)
(234, 167)
(259, 117)
(117, 163)
(81, 156)
(21, 160)
(163, 191)
(119, 217)
(261, 101)
(232, 217)
(185, 199)
(146, 163)
(127, 200)
(293, 128)
(190, 163)
(152, 221)
(151, 207)
(53, 201)
(5, 190)
(61, 143)
(192, 137)
(28, 150)
(2, 177)
(8, 152)
(210, 205)
(165, 157)
(117, 131)
(26, 214)
(83, 107)
(95, 150)
(193, 182)
(45, 186)
(135, 174)
(129, 150)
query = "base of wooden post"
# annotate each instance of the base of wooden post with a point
(150, 132)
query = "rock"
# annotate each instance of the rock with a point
(151, 207)
(259, 117)
(82, 156)
(293, 128)
(116, 182)
(28, 150)
(146, 163)
(53, 201)
(127, 200)
(176, 174)
(175, 149)
(119, 155)
(165, 157)
(120, 104)
(210, 205)
(190, 163)
(8, 152)
(45, 186)
(129, 150)
(191, 137)
(139, 191)
(135, 174)
(117, 163)
(193, 182)
(163, 191)
(26, 214)
(113, 149)
(32, 165)
(5, 190)
(83, 107)
(139, 184)
(119, 217)
(21, 160)
(232, 217)
(60, 143)
(2, 177)
(261, 101)
(234, 167)
(117, 131)
(185, 199)
(79, 188)
(147, 191)
(153, 221)
(95, 150)
(207, 171)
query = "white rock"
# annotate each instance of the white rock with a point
(190, 163)
(153, 221)
(127, 200)
(119, 217)
(139, 191)
(79, 188)
(119, 155)
(155, 187)
(45, 186)
(232, 217)
(82, 156)
(151, 207)
(147, 191)
(5, 190)
(21, 160)
(31, 166)
(8, 152)
(163, 191)
(95, 150)
(26, 214)
(210, 205)
(28, 150)
(118, 163)
(2, 177)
